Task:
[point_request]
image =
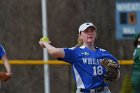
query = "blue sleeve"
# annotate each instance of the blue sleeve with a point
(70, 55)
(105, 54)
(2, 51)
(110, 56)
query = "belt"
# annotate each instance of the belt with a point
(100, 89)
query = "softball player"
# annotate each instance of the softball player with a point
(85, 59)
(5, 60)
(136, 66)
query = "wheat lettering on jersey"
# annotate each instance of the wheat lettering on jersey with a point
(91, 61)
(97, 70)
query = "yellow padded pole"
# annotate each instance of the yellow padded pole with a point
(53, 62)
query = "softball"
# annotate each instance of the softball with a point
(45, 39)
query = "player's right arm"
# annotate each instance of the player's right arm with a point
(53, 51)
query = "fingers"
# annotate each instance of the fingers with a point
(42, 44)
(43, 41)
(9, 74)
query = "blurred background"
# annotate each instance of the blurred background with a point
(21, 29)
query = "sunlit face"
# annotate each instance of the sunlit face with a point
(89, 35)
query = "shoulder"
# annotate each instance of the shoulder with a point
(104, 52)
(76, 48)
(100, 49)
(71, 48)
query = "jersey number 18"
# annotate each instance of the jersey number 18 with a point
(97, 70)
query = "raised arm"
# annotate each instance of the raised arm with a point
(55, 52)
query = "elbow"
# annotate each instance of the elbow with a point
(53, 52)
(57, 53)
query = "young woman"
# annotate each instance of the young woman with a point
(85, 59)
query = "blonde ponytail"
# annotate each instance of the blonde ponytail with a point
(80, 42)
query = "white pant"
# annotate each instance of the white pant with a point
(93, 91)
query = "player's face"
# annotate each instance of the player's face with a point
(89, 35)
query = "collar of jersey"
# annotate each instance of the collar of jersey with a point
(82, 47)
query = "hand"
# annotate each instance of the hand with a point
(4, 76)
(42, 44)
(9, 74)
(43, 41)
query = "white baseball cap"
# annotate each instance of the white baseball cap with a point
(84, 26)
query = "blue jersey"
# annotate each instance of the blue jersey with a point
(87, 70)
(2, 51)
